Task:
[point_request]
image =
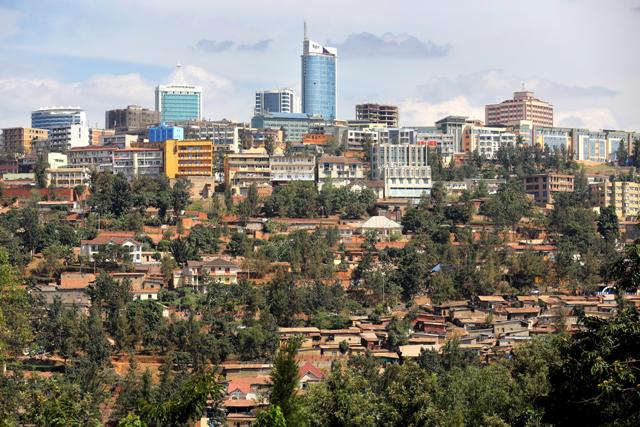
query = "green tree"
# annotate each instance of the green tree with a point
(285, 379)
(180, 195)
(40, 170)
(626, 270)
(608, 223)
(508, 205)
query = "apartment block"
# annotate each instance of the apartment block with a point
(130, 118)
(98, 158)
(21, 140)
(243, 169)
(339, 170)
(96, 135)
(68, 177)
(624, 196)
(119, 141)
(134, 162)
(486, 140)
(543, 186)
(64, 138)
(188, 158)
(292, 168)
(523, 106)
(378, 113)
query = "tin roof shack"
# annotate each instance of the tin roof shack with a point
(521, 313)
(490, 302)
(310, 335)
(233, 370)
(446, 309)
(429, 323)
(510, 327)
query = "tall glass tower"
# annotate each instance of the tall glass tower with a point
(179, 101)
(319, 72)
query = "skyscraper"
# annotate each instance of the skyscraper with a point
(179, 101)
(523, 106)
(57, 117)
(319, 73)
(275, 101)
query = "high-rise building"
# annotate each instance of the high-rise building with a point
(377, 113)
(275, 101)
(400, 161)
(57, 117)
(319, 79)
(179, 101)
(132, 117)
(21, 140)
(523, 106)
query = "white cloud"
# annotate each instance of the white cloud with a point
(419, 112)
(590, 118)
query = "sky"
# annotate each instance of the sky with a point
(431, 58)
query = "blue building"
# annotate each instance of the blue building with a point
(163, 132)
(275, 101)
(58, 117)
(319, 72)
(179, 101)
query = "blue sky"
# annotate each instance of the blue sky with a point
(432, 58)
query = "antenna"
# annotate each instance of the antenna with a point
(523, 86)
(305, 30)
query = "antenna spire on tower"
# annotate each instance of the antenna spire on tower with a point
(305, 30)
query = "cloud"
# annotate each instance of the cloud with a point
(259, 46)
(415, 112)
(389, 44)
(494, 85)
(589, 118)
(213, 46)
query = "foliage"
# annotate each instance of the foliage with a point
(285, 379)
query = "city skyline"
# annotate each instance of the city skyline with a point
(429, 71)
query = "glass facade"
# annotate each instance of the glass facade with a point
(179, 106)
(319, 80)
(51, 118)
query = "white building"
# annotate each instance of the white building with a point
(443, 143)
(339, 170)
(89, 248)
(292, 168)
(134, 162)
(275, 101)
(57, 160)
(68, 177)
(94, 157)
(486, 140)
(63, 138)
(58, 117)
(401, 163)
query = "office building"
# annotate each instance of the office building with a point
(130, 118)
(225, 134)
(163, 132)
(319, 79)
(453, 125)
(179, 101)
(95, 135)
(21, 140)
(552, 137)
(589, 145)
(188, 158)
(485, 140)
(292, 168)
(442, 143)
(62, 139)
(135, 162)
(58, 117)
(121, 140)
(241, 170)
(624, 196)
(96, 158)
(293, 125)
(378, 113)
(340, 171)
(401, 163)
(543, 186)
(68, 177)
(523, 106)
(275, 101)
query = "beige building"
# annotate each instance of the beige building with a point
(623, 196)
(68, 177)
(542, 186)
(243, 169)
(21, 140)
(292, 168)
(378, 113)
(523, 106)
(339, 170)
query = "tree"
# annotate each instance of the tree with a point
(626, 270)
(180, 195)
(622, 155)
(596, 381)
(508, 205)
(272, 417)
(182, 251)
(203, 239)
(40, 170)
(285, 379)
(608, 223)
